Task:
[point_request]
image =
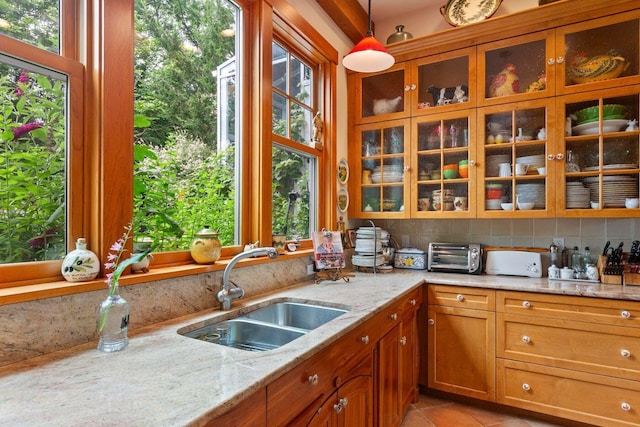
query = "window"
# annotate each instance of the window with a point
(187, 57)
(184, 119)
(294, 171)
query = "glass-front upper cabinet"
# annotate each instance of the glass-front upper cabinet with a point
(442, 166)
(597, 54)
(381, 96)
(381, 169)
(444, 82)
(516, 69)
(514, 176)
(600, 153)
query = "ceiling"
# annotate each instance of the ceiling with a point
(385, 9)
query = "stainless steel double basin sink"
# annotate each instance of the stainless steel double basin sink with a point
(265, 328)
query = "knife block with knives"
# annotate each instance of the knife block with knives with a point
(619, 268)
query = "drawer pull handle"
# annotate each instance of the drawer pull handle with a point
(526, 387)
(431, 322)
(365, 339)
(412, 301)
(526, 304)
(625, 406)
(313, 380)
(626, 314)
(394, 316)
(625, 353)
(403, 340)
(526, 339)
(460, 298)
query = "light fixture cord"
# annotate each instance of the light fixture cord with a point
(369, 32)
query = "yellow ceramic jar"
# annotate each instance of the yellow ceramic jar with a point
(206, 247)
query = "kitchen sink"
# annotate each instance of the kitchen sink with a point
(295, 315)
(265, 328)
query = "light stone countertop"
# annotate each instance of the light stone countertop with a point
(163, 378)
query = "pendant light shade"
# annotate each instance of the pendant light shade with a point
(368, 56)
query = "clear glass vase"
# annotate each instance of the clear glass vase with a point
(113, 322)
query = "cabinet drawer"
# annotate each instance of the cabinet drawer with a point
(578, 396)
(597, 310)
(603, 349)
(312, 382)
(462, 297)
(392, 315)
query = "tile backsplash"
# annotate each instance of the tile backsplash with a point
(581, 232)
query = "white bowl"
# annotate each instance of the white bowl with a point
(595, 205)
(526, 206)
(493, 204)
(631, 203)
(507, 206)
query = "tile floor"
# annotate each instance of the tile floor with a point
(436, 412)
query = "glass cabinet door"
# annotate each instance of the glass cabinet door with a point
(382, 96)
(600, 152)
(382, 169)
(516, 69)
(515, 179)
(444, 81)
(442, 165)
(599, 53)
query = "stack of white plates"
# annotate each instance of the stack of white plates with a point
(531, 192)
(367, 260)
(615, 189)
(365, 238)
(534, 162)
(493, 161)
(389, 173)
(577, 196)
(612, 167)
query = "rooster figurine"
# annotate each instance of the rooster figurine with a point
(506, 82)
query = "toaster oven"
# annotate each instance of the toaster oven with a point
(455, 257)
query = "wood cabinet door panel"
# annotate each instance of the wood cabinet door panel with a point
(463, 297)
(461, 355)
(596, 310)
(589, 398)
(610, 350)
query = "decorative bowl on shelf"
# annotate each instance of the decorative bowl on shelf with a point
(507, 206)
(526, 206)
(450, 171)
(609, 112)
(389, 205)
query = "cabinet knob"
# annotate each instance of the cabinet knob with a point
(625, 353)
(431, 322)
(365, 339)
(313, 380)
(460, 297)
(337, 407)
(551, 157)
(551, 61)
(526, 304)
(526, 339)
(394, 316)
(559, 156)
(626, 314)
(625, 406)
(526, 387)
(403, 340)
(412, 301)
(406, 168)
(413, 87)
(344, 402)
(560, 59)
(472, 162)
(406, 88)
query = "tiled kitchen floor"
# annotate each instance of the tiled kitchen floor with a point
(435, 412)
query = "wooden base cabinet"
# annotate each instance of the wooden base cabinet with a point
(571, 357)
(397, 360)
(461, 341)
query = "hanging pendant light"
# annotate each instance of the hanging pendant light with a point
(368, 56)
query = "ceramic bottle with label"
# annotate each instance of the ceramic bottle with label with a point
(80, 264)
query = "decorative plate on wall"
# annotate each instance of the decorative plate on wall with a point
(343, 171)
(464, 12)
(343, 200)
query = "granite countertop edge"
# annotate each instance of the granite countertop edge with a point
(163, 378)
